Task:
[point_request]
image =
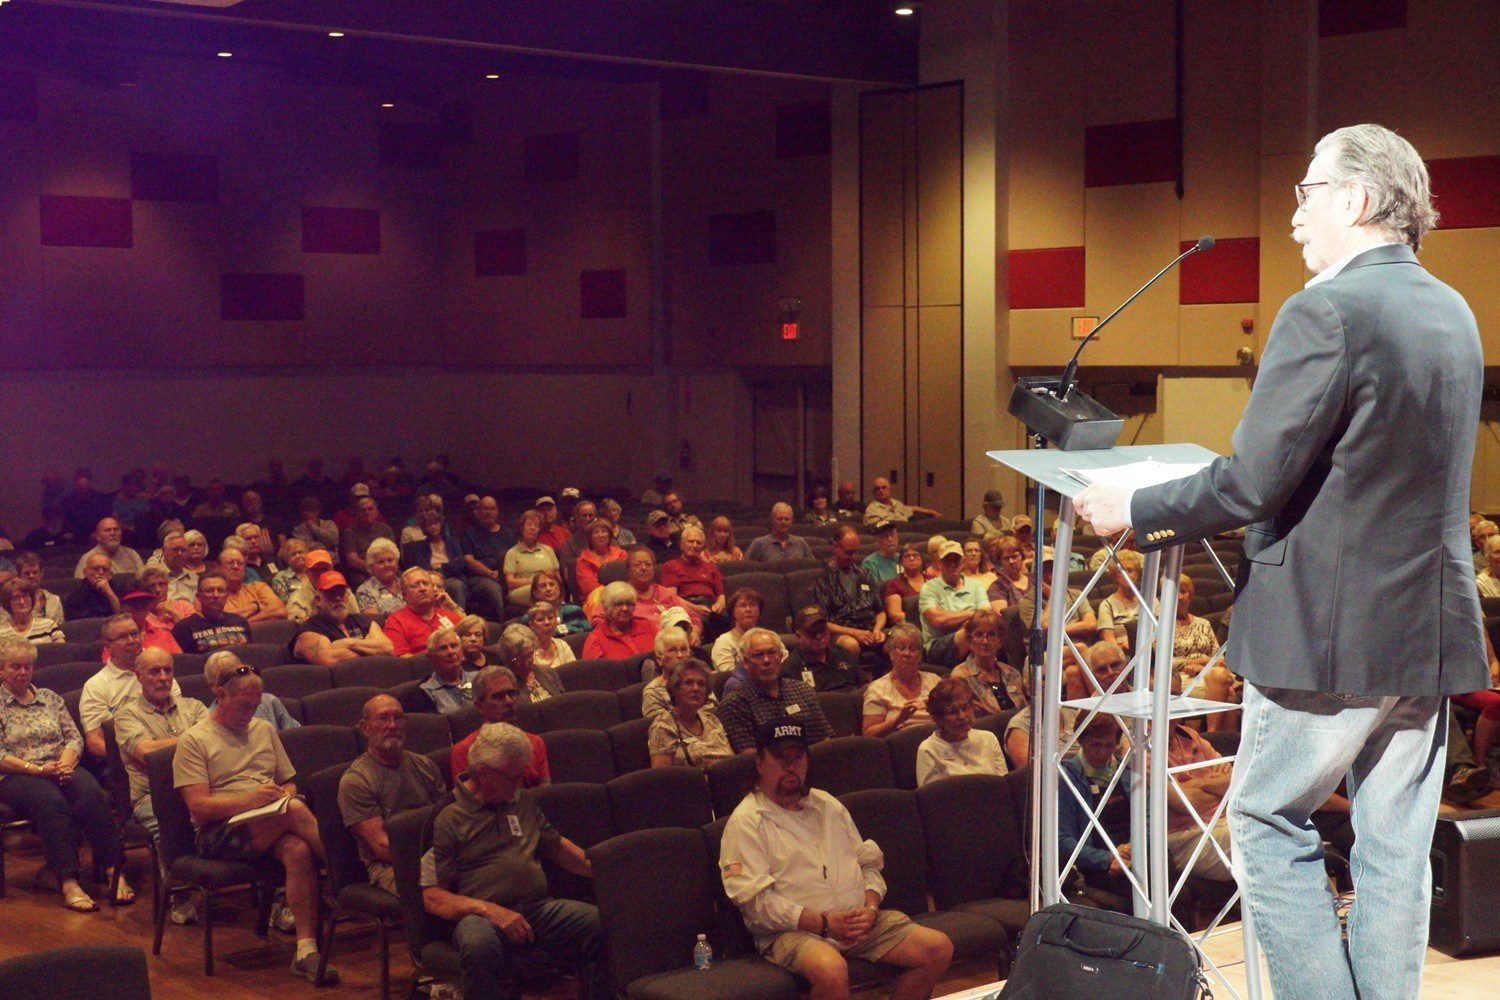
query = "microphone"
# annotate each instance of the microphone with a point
(1070, 373)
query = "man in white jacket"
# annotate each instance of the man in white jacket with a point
(807, 885)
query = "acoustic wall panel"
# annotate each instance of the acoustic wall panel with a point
(1050, 278)
(1350, 17)
(73, 221)
(602, 295)
(17, 95)
(551, 158)
(1228, 273)
(742, 238)
(1466, 191)
(803, 129)
(1130, 153)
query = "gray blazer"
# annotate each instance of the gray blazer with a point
(1351, 470)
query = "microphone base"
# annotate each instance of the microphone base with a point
(1078, 423)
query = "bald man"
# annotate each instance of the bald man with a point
(384, 780)
(780, 543)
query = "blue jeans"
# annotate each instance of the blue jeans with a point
(565, 928)
(1295, 747)
(60, 813)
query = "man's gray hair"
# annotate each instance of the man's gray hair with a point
(499, 744)
(1392, 173)
(615, 593)
(482, 679)
(14, 649)
(756, 633)
(219, 665)
(438, 633)
(781, 505)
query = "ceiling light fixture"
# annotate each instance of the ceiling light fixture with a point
(492, 76)
(226, 55)
(335, 34)
(387, 104)
(905, 11)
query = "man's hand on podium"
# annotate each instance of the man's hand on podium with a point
(1107, 508)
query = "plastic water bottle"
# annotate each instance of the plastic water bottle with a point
(703, 954)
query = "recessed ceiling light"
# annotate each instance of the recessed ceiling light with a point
(335, 34)
(905, 11)
(387, 104)
(492, 76)
(226, 55)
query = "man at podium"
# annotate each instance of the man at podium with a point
(1350, 470)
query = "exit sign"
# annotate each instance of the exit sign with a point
(1083, 326)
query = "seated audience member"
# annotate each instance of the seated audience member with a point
(450, 687)
(384, 780)
(122, 559)
(197, 551)
(216, 505)
(95, 597)
(600, 549)
(1081, 624)
(898, 699)
(139, 602)
(1193, 644)
(884, 564)
(233, 762)
(745, 606)
(114, 685)
(132, 508)
(610, 510)
(547, 586)
(768, 696)
(259, 565)
(252, 601)
(314, 529)
(526, 559)
(662, 485)
(695, 579)
(619, 634)
(294, 555)
(333, 635)
(851, 597)
(911, 575)
(780, 543)
(472, 633)
(991, 519)
(670, 648)
(182, 581)
(212, 627)
(410, 627)
(1012, 577)
(995, 685)
(485, 876)
(518, 651)
(153, 720)
(677, 518)
(720, 545)
(808, 886)
(1203, 787)
(1488, 578)
(485, 546)
(1102, 553)
(381, 592)
(818, 660)
(957, 747)
(1017, 739)
(303, 603)
(1120, 612)
(847, 505)
(354, 541)
(886, 507)
(659, 536)
(653, 600)
(551, 651)
(687, 733)
(39, 752)
(976, 567)
(253, 511)
(818, 511)
(496, 695)
(555, 532)
(162, 610)
(583, 515)
(945, 604)
(439, 552)
(18, 602)
(29, 570)
(412, 531)
(1089, 773)
(1484, 529)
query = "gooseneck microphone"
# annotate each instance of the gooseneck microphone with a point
(1070, 373)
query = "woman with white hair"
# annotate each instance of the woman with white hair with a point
(670, 649)
(518, 647)
(381, 593)
(620, 634)
(197, 554)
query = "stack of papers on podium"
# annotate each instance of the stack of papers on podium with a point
(1136, 475)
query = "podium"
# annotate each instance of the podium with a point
(1146, 712)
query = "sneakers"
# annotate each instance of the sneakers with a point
(307, 968)
(1467, 784)
(282, 919)
(184, 911)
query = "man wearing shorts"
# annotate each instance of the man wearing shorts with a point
(807, 885)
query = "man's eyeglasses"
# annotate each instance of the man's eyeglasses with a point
(243, 670)
(1301, 190)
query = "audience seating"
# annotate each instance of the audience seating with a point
(663, 796)
(82, 630)
(630, 699)
(79, 972)
(902, 747)
(412, 697)
(296, 680)
(975, 847)
(275, 633)
(728, 781)
(348, 881)
(196, 686)
(581, 813)
(316, 747)
(464, 722)
(776, 615)
(64, 677)
(50, 653)
(579, 755)
(425, 732)
(628, 745)
(336, 706)
(577, 710)
(799, 587)
(371, 671)
(843, 710)
(188, 663)
(428, 938)
(849, 763)
(600, 674)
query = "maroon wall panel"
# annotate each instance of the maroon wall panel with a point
(742, 238)
(1230, 272)
(1130, 153)
(1046, 279)
(499, 252)
(804, 129)
(174, 177)
(1349, 17)
(1466, 191)
(551, 157)
(326, 229)
(17, 95)
(602, 295)
(261, 297)
(69, 221)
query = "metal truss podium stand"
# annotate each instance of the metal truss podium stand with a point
(1146, 714)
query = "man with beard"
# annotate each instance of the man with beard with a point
(384, 780)
(809, 887)
(333, 635)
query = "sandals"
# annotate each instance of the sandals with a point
(124, 894)
(79, 902)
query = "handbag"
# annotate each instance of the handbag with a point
(1075, 951)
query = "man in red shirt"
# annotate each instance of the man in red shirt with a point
(495, 692)
(409, 628)
(695, 579)
(555, 534)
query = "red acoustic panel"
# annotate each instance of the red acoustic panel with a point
(1350, 17)
(17, 95)
(499, 252)
(174, 177)
(602, 294)
(340, 230)
(69, 221)
(1230, 272)
(1130, 153)
(742, 238)
(804, 129)
(551, 158)
(1466, 191)
(1046, 279)
(257, 297)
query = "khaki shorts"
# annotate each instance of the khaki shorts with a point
(383, 876)
(891, 928)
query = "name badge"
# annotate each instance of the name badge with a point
(515, 825)
(793, 708)
(807, 678)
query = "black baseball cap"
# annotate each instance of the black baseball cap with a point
(779, 732)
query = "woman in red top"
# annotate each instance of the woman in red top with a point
(601, 549)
